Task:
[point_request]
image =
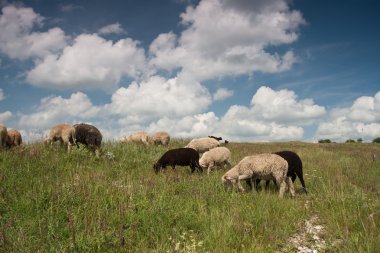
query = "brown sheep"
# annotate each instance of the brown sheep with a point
(159, 138)
(3, 136)
(14, 138)
(68, 137)
(56, 133)
(138, 137)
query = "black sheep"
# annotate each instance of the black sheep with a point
(216, 138)
(89, 136)
(294, 170)
(179, 156)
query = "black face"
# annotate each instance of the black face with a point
(156, 167)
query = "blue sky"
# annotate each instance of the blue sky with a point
(252, 70)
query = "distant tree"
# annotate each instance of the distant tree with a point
(360, 140)
(324, 141)
(376, 140)
(350, 141)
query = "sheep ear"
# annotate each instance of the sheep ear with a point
(227, 178)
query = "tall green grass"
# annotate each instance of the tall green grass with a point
(51, 201)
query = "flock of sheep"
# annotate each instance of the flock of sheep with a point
(281, 167)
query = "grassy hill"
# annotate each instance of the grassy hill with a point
(51, 201)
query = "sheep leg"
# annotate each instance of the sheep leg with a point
(282, 189)
(192, 168)
(209, 169)
(242, 177)
(302, 182)
(290, 186)
(267, 182)
(249, 183)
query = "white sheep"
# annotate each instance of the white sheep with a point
(218, 156)
(138, 137)
(203, 144)
(262, 166)
(3, 136)
(64, 133)
(55, 133)
(159, 138)
(68, 137)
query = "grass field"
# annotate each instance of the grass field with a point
(51, 201)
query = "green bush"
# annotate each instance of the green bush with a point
(324, 141)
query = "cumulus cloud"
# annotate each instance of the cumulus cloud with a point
(91, 62)
(112, 28)
(179, 108)
(360, 120)
(70, 7)
(56, 109)
(19, 41)
(198, 125)
(159, 97)
(250, 123)
(223, 38)
(222, 94)
(283, 106)
(4, 116)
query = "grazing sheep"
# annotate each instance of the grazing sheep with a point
(218, 156)
(68, 137)
(88, 135)
(14, 138)
(202, 145)
(138, 137)
(262, 166)
(159, 138)
(178, 156)
(56, 133)
(3, 136)
(216, 138)
(294, 168)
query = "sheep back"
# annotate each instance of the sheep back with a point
(203, 144)
(178, 156)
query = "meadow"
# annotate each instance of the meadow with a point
(52, 201)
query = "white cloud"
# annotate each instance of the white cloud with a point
(70, 7)
(361, 120)
(4, 116)
(112, 28)
(159, 97)
(2, 96)
(55, 109)
(242, 123)
(19, 41)
(282, 106)
(222, 38)
(222, 94)
(91, 62)
(198, 125)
